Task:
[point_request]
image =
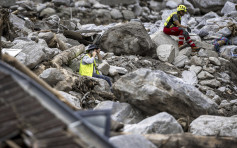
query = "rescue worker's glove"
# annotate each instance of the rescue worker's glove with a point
(189, 30)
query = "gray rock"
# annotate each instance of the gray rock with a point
(156, 91)
(225, 51)
(128, 15)
(224, 77)
(117, 70)
(207, 6)
(116, 14)
(234, 40)
(19, 24)
(172, 4)
(116, 2)
(104, 68)
(161, 38)
(7, 3)
(131, 141)
(210, 93)
(47, 12)
(192, 22)
(207, 125)
(195, 68)
(47, 36)
(121, 112)
(137, 9)
(228, 7)
(126, 39)
(203, 32)
(195, 60)
(189, 77)
(74, 101)
(103, 85)
(209, 69)
(21, 57)
(52, 76)
(166, 53)
(156, 5)
(217, 99)
(215, 61)
(40, 7)
(225, 32)
(82, 4)
(180, 61)
(62, 2)
(205, 75)
(211, 83)
(162, 123)
(34, 52)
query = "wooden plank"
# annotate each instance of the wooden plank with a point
(192, 141)
(12, 144)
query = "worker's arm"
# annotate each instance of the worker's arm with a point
(179, 25)
(176, 21)
(88, 60)
(99, 55)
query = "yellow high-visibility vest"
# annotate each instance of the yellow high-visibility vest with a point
(87, 69)
(169, 23)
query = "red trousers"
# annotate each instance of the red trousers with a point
(177, 31)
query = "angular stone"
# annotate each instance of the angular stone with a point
(52, 76)
(34, 52)
(211, 83)
(104, 68)
(7, 3)
(215, 61)
(156, 91)
(166, 53)
(162, 123)
(161, 38)
(74, 101)
(195, 69)
(115, 69)
(205, 75)
(126, 39)
(189, 77)
(195, 60)
(116, 14)
(180, 60)
(207, 125)
(121, 112)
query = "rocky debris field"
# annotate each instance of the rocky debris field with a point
(157, 88)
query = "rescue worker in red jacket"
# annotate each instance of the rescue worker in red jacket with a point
(173, 26)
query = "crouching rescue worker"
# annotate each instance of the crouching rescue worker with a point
(88, 64)
(173, 26)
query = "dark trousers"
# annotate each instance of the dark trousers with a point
(102, 77)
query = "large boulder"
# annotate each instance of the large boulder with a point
(228, 8)
(7, 3)
(19, 24)
(156, 91)
(160, 38)
(207, 5)
(32, 53)
(207, 125)
(116, 2)
(130, 38)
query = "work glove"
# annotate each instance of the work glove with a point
(189, 30)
